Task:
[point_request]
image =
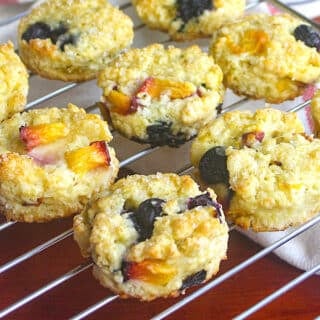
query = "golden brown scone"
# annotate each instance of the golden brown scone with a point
(153, 236)
(188, 19)
(13, 82)
(229, 128)
(268, 166)
(268, 57)
(52, 161)
(161, 96)
(71, 40)
(315, 112)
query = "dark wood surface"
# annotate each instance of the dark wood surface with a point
(223, 302)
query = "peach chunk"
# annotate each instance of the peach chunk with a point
(177, 90)
(120, 102)
(251, 139)
(253, 42)
(87, 158)
(123, 104)
(153, 271)
(42, 134)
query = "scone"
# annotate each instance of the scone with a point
(264, 166)
(71, 40)
(315, 112)
(188, 19)
(153, 236)
(161, 96)
(13, 82)
(52, 161)
(268, 57)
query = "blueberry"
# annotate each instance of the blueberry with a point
(188, 9)
(39, 30)
(67, 39)
(145, 215)
(125, 270)
(194, 279)
(308, 35)
(61, 30)
(205, 200)
(160, 134)
(213, 166)
(58, 35)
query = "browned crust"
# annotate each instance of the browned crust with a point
(301, 87)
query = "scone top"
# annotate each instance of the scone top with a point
(13, 82)
(71, 40)
(263, 167)
(240, 129)
(161, 95)
(188, 19)
(132, 68)
(153, 236)
(268, 57)
(52, 161)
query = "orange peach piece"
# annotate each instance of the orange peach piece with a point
(153, 271)
(87, 158)
(177, 90)
(123, 104)
(253, 41)
(42, 134)
(119, 101)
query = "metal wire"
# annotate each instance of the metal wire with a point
(51, 95)
(234, 105)
(72, 272)
(5, 22)
(6, 225)
(94, 308)
(284, 7)
(290, 285)
(108, 299)
(214, 282)
(236, 269)
(69, 232)
(139, 155)
(300, 106)
(298, 2)
(35, 250)
(46, 288)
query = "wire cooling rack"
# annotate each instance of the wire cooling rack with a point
(52, 274)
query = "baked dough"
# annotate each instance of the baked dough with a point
(13, 82)
(71, 40)
(161, 96)
(315, 112)
(267, 57)
(188, 19)
(268, 166)
(153, 236)
(52, 161)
